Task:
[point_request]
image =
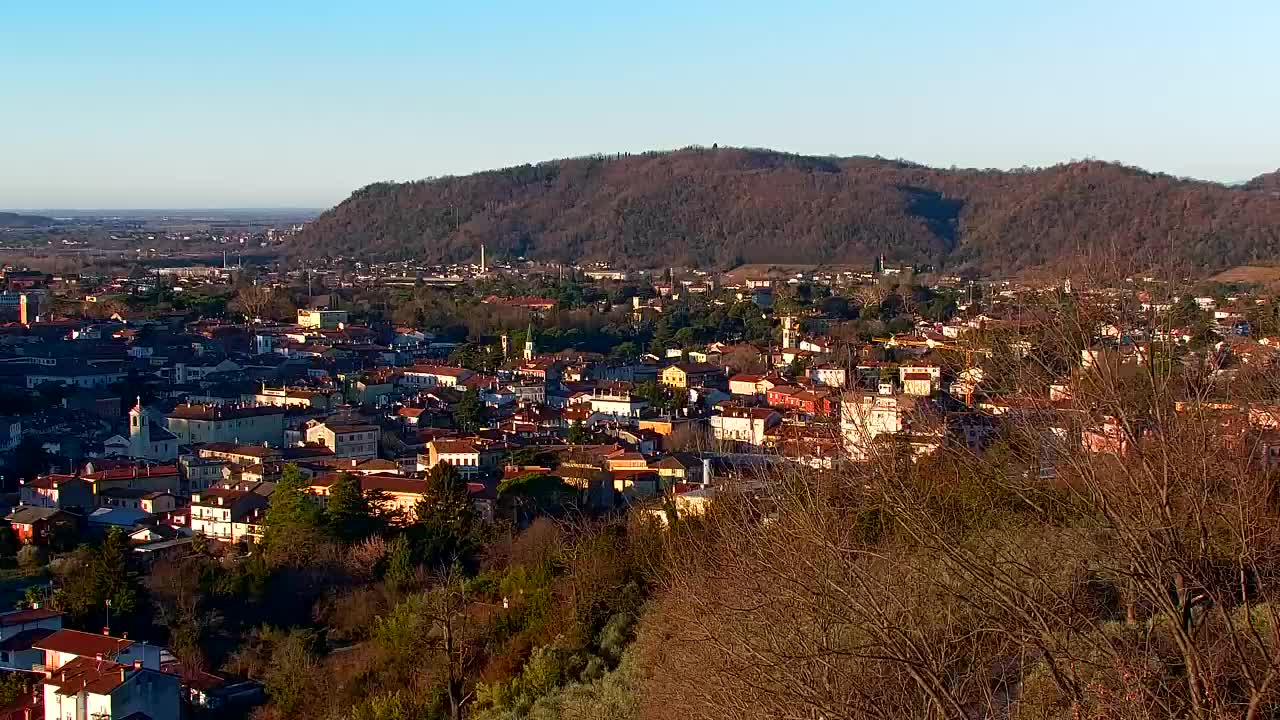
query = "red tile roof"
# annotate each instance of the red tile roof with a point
(216, 412)
(133, 471)
(441, 370)
(385, 483)
(90, 675)
(455, 447)
(19, 617)
(74, 642)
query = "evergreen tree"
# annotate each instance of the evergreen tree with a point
(533, 494)
(578, 434)
(400, 565)
(469, 413)
(101, 575)
(349, 514)
(291, 506)
(445, 528)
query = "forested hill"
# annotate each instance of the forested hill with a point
(16, 220)
(721, 207)
(1266, 183)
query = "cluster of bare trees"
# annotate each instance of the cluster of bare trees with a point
(1111, 554)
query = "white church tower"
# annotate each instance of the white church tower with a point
(139, 432)
(162, 447)
(788, 332)
(528, 343)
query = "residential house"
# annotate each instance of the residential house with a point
(76, 374)
(98, 677)
(780, 395)
(680, 468)
(104, 518)
(744, 425)
(746, 385)
(469, 457)
(20, 630)
(410, 415)
(829, 375)
(398, 494)
(151, 502)
(918, 367)
(435, 376)
(38, 525)
(57, 491)
(346, 440)
(198, 473)
(230, 512)
(677, 433)
(322, 319)
(209, 423)
(617, 405)
(865, 416)
(686, 375)
(626, 460)
(163, 478)
(240, 454)
(919, 384)
(300, 398)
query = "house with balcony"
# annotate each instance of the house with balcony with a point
(470, 457)
(744, 425)
(230, 512)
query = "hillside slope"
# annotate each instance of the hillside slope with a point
(16, 220)
(1269, 182)
(723, 207)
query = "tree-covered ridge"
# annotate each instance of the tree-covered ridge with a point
(18, 220)
(722, 207)
(1268, 182)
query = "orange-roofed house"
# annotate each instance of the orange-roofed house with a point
(88, 676)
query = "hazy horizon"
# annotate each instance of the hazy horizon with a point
(295, 105)
(90, 211)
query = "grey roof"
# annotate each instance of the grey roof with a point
(28, 514)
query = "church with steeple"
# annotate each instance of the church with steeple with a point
(149, 441)
(528, 343)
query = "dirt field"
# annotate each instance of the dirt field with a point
(1249, 274)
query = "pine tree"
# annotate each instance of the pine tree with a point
(469, 413)
(349, 515)
(291, 506)
(578, 434)
(400, 566)
(445, 529)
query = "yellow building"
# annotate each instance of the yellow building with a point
(322, 319)
(687, 375)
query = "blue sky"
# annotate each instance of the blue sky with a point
(280, 103)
